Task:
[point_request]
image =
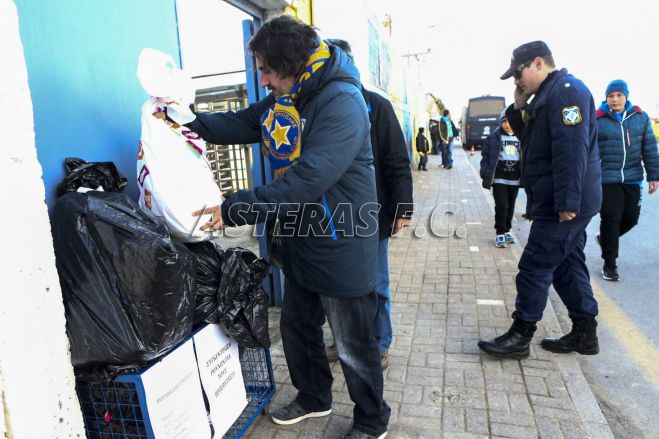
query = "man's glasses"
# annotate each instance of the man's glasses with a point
(518, 72)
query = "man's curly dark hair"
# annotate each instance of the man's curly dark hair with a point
(283, 44)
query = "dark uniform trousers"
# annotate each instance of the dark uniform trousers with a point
(554, 255)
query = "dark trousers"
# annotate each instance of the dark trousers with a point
(435, 146)
(505, 196)
(621, 207)
(554, 255)
(423, 161)
(447, 153)
(351, 320)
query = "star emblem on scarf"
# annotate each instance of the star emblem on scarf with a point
(267, 123)
(280, 135)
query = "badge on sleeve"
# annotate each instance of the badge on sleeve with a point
(572, 115)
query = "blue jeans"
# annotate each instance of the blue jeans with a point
(447, 153)
(382, 330)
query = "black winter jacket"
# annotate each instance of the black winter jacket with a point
(443, 131)
(421, 143)
(327, 201)
(490, 157)
(393, 176)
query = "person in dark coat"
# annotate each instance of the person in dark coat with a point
(393, 179)
(628, 146)
(422, 149)
(501, 171)
(561, 175)
(433, 127)
(315, 128)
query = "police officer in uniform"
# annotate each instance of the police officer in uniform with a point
(561, 174)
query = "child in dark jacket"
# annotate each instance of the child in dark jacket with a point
(422, 149)
(501, 171)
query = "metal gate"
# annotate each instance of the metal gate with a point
(231, 164)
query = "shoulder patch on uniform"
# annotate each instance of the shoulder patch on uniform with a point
(572, 115)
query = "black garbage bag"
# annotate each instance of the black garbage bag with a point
(209, 256)
(128, 289)
(242, 301)
(91, 175)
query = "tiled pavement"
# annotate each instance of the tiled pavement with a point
(447, 293)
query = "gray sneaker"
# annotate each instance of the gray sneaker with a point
(384, 357)
(332, 353)
(294, 413)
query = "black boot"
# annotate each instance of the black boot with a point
(514, 343)
(582, 339)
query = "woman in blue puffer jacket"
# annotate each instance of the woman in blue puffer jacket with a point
(627, 145)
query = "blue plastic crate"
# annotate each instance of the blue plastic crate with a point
(118, 410)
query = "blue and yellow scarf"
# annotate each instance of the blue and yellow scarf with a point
(281, 131)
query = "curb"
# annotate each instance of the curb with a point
(582, 397)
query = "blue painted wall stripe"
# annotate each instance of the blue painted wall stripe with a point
(81, 58)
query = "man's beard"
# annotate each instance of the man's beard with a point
(277, 92)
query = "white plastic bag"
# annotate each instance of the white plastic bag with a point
(173, 175)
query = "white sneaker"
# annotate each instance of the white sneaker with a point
(510, 238)
(500, 241)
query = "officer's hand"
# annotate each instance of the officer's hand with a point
(654, 185)
(216, 222)
(400, 223)
(566, 216)
(521, 97)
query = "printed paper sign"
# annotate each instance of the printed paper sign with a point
(221, 376)
(174, 398)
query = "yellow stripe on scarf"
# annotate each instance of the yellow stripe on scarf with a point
(281, 130)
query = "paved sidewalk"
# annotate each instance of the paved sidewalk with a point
(447, 293)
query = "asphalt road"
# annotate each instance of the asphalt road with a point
(624, 375)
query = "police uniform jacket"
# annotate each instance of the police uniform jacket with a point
(559, 154)
(327, 200)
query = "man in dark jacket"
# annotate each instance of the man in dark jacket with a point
(434, 137)
(562, 178)
(447, 132)
(422, 149)
(393, 179)
(315, 128)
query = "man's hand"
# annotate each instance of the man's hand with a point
(654, 185)
(521, 97)
(216, 219)
(566, 216)
(180, 113)
(400, 223)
